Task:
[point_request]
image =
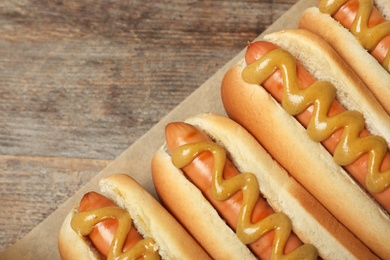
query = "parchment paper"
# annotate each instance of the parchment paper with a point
(41, 242)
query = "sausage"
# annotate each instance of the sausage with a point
(358, 168)
(200, 173)
(103, 233)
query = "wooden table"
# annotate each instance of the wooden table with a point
(80, 81)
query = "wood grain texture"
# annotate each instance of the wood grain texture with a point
(80, 81)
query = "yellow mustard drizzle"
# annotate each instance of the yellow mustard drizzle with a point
(368, 37)
(247, 183)
(83, 223)
(321, 94)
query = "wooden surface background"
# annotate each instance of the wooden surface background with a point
(80, 81)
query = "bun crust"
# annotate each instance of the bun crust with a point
(149, 217)
(311, 221)
(376, 78)
(307, 161)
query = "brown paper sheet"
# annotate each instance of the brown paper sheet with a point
(41, 242)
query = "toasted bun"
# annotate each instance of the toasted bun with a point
(311, 221)
(307, 161)
(149, 217)
(365, 65)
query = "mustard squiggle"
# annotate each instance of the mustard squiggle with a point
(321, 94)
(222, 189)
(368, 37)
(83, 223)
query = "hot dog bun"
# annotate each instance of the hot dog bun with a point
(362, 62)
(311, 221)
(149, 217)
(308, 161)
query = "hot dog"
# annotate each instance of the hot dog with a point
(359, 30)
(295, 81)
(125, 223)
(237, 202)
